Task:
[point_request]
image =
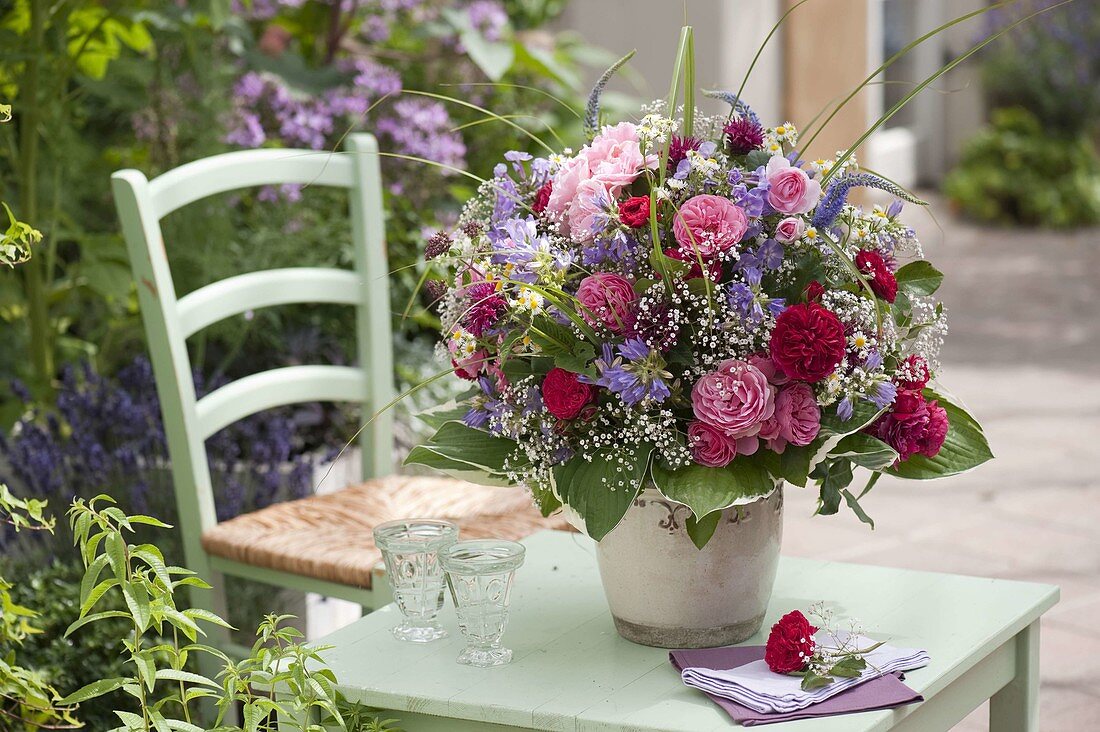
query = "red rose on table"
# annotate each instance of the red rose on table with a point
(790, 644)
(564, 395)
(634, 211)
(807, 342)
(542, 197)
(883, 282)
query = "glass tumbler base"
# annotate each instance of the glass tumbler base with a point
(410, 633)
(485, 657)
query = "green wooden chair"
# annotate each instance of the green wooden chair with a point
(321, 543)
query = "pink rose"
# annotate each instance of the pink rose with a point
(615, 157)
(710, 446)
(790, 229)
(607, 299)
(797, 414)
(587, 214)
(736, 398)
(790, 190)
(767, 367)
(564, 185)
(709, 224)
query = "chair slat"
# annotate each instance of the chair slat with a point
(276, 388)
(265, 288)
(246, 169)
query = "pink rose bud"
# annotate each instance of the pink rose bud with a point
(790, 229)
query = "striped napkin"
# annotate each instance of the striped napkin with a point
(755, 686)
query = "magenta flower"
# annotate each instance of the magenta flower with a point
(710, 446)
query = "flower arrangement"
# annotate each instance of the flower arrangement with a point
(684, 301)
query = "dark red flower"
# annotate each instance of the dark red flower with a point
(814, 291)
(634, 211)
(564, 395)
(807, 342)
(790, 644)
(912, 426)
(743, 135)
(678, 149)
(543, 197)
(883, 282)
(913, 373)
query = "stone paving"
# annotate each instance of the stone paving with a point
(1024, 355)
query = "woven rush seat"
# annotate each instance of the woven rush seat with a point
(328, 536)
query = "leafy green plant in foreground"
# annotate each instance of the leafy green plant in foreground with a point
(169, 696)
(27, 701)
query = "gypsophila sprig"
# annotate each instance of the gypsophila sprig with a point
(678, 301)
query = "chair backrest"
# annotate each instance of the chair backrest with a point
(169, 320)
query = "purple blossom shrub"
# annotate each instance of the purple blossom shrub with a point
(107, 436)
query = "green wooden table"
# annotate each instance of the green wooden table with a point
(572, 672)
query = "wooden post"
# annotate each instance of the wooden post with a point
(825, 54)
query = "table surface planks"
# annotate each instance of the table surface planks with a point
(571, 671)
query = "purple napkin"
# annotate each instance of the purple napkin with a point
(884, 692)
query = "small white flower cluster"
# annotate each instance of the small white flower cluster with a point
(824, 166)
(931, 318)
(784, 136)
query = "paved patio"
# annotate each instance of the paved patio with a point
(1024, 355)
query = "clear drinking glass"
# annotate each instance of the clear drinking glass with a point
(410, 548)
(479, 575)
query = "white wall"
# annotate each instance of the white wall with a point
(727, 34)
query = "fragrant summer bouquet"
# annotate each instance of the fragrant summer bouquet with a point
(685, 302)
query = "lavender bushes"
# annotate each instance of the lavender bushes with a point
(106, 434)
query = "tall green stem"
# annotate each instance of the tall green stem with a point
(33, 273)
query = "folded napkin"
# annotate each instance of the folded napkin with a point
(885, 692)
(755, 686)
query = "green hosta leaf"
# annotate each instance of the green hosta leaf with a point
(700, 530)
(704, 489)
(919, 278)
(866, 451)
(465, 452)
(591, 488)
(964, 448)
(439, 415)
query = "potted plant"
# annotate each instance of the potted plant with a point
(664, 326)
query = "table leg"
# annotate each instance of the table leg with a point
(1015, 708)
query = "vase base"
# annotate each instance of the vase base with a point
(661, 637)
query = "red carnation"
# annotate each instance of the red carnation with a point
(814, 291)
(913, 373)
(564, 395)
(807, 342)
(543, 197)
(883, 282)
(790, 644)
(634, 211)
(912, 426)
